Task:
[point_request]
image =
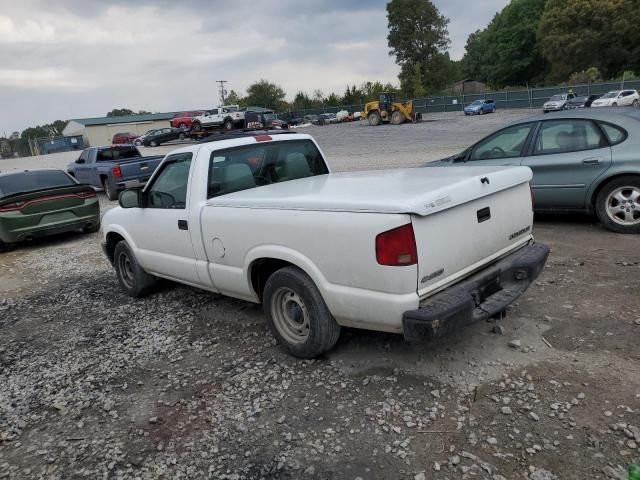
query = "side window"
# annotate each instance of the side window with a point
(563, 136)
(242, 168)
(614, 134)
(507, 143)
(169, 188)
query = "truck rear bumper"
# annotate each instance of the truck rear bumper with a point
(479, 297)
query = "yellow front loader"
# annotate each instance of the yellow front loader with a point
(385, 110)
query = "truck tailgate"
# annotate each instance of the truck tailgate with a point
(457, 241)
(140, 169)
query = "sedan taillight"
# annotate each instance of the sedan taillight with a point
(11, 207)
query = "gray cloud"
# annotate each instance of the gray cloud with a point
(79, 58)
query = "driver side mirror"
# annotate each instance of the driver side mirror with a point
(131, 198)
(80, 160)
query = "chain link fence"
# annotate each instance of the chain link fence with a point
(532, 98)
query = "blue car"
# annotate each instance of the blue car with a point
(480, 107)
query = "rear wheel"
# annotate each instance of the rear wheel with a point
(614, 104)
(618, 205)
(5, 247)
(374, 119)
(396, 117)
(182, 136)
(182, 126)
(109, 190)
(297, 315)
(635, 104)
(481, 112)
(92, 228)
(196, 126)
(228, 124)
(153, 143)
(132, 278)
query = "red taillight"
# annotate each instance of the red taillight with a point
(11, 207)
(262, 138)
(116, 171)
(397, 247)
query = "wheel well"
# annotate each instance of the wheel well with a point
(592, 202)
(262, 269)
(103, 178)
(112, 240)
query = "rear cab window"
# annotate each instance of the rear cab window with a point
(116, 153)
(32, 181)
(250, 166)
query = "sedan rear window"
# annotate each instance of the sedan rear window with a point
(614, 134)
(32, 181)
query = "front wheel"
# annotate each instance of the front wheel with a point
(614, 104)
(182, 136)
(396, 117)
(196, 126)
(635, 104)
(297, 315)
(153, 143)
(618, 205)
(228, 124)
(132, 278)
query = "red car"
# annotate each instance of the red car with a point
(123, 138)
(184, 119)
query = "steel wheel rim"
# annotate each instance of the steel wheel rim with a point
(290, 315)
(623, 206)
(126, 270)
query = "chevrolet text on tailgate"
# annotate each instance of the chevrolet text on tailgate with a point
(261, 218)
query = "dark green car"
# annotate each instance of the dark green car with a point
(36, 203)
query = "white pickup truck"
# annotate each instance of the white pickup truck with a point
(261, 218)
(228, 117)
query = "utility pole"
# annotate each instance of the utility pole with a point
(222, 90)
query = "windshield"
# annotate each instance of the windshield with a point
(557, 98)
(476, 103)
(33, 181)
(578, 100)
(611, 95)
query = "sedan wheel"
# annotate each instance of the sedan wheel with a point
(618, 205)
(154, 143)
(635, 104)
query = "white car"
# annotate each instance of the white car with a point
(420, 251)
(618, 98)
(227, 117)
(557, 102)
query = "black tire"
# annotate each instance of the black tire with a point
(322, 331)
(396, 117)
(182, 136)
(196, 126)
(153, 143)
(606, 205)
(109, 190)
(228, 125)
(374, 119)
(635, 104)
(614, 104)
(6, 247)
(182, 126)
(133, 280)
(92, 229)
(137, 143)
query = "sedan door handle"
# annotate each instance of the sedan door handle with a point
(592, 161)
(183, 225)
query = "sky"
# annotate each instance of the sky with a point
(81, 58)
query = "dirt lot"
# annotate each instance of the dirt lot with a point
(185, 384)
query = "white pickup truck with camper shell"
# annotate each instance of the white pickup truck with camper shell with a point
(261, 218)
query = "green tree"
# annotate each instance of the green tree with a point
(265, 94)
(120, 112)
(577, 34)
(233, 98)
(417, 31)
(507, 51)
(333, 100)
(301, 101)
(590, 75)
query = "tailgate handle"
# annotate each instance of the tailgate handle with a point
(484, 214)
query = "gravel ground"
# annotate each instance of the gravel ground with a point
(185, 384)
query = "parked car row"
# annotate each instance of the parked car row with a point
(567, 101)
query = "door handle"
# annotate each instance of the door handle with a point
(592, 161)
(183, 225)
